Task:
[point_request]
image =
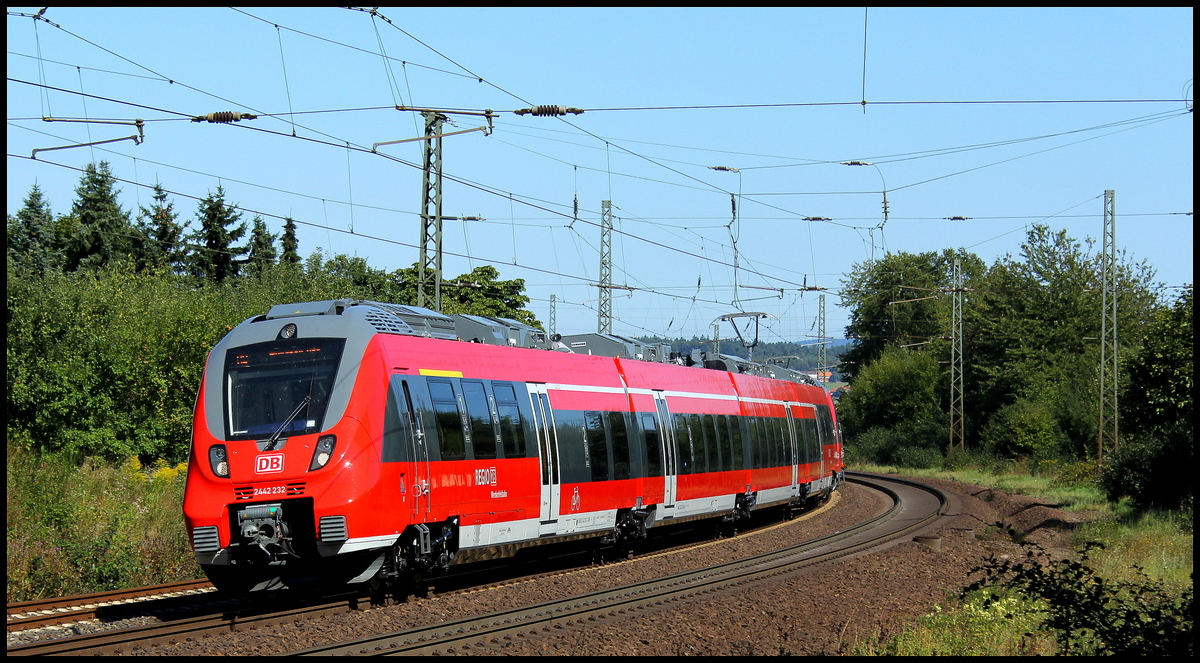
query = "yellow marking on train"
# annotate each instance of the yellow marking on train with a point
(440, 374)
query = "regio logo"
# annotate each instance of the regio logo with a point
(485, 476)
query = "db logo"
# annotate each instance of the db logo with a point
(268, 464)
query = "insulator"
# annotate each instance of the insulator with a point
(224, 117)
(549, 110)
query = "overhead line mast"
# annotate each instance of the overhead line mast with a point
(429, 270)
(1107, 437)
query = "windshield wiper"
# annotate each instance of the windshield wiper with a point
(286, 422)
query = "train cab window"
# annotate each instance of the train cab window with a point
(266, 385)
(597, 445)
(483, 435)
(449, 420)
(653, 446)
(512, 430)
(620, 445)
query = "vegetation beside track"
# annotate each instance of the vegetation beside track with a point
(1128, 588)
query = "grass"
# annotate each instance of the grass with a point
(1156, 543)
(86, 527)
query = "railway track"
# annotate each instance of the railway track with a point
(915, 507)
(52, 612)
(248, 616)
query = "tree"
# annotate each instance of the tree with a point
(262, 247)
(899, 300)
(1159, 392)
(31, 233)
(480, 293)
(1032, 330)
(102, 231)
(217, 258)
(291, 247)
(892, 413)
(1154, 462)
(162, 247)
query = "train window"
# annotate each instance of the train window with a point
(723, 422)
(699, 454)
(266, 383)
(397, 425)
(597, 445)
(449, 420)
(756, 454)
(811, 441)
(825, 420)
(573, 454)
(620, 445)
(733, 444)
(780, 449)
(653, 446)
(441, 391)
(768, 430)
(512, 430)
(712, 443)
(483, 436)
(684, 438)
(784, 457)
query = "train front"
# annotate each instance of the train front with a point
(283, 471)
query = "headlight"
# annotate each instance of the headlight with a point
(218, 460)
(323, 452)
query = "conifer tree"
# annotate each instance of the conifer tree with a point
(101, 231)
(216, 258)
(291, 247)
(262, 247)
(162, 247)
(31, 233)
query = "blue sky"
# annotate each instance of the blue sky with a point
(786, 85)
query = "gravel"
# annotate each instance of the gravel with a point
(817, 610)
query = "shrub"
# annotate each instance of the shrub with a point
(1091, 615)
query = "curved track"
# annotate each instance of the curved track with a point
(914, 507)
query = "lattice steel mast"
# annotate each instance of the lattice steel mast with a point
(957, 425)
(429, 268)
(1107, 436)
(604, 319)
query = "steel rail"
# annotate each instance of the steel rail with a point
(523, 622)
(64, 610)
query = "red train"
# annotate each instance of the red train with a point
(349, 440)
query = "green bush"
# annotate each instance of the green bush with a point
(1024, 429)
(93, 527)
(1092, 615)
(1155, 470)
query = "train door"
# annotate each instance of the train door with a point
(794, 441)
(547, 441)
(818, 443)
(415, 484)
(669, 453)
